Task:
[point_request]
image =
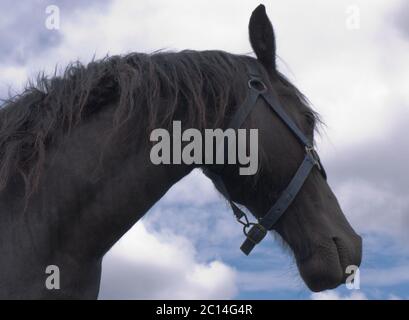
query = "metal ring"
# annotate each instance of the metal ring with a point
(244, 223)
(257, 85)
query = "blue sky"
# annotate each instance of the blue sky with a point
(187, 246)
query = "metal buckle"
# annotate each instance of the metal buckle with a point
(310, 150)
(256, 233)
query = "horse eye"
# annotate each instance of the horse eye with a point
(310, 119)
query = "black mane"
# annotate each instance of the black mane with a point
(148, 90)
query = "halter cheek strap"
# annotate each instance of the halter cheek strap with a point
(255, 232)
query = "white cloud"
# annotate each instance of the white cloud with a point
(194, 190)
(375, 208)
(145, 265)
(13, 80)
(385, 277)
(354, 295)
(281, 280)
(333, 295)
(348, 74)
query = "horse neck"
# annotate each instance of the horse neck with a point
(128, 184)
(73, 219)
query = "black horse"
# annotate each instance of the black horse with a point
(75, 171)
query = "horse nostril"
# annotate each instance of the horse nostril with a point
(349, 250)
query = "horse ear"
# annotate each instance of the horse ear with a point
(262, 37)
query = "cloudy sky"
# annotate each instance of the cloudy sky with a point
(351, 60)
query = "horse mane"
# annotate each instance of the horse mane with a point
(148, 91)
